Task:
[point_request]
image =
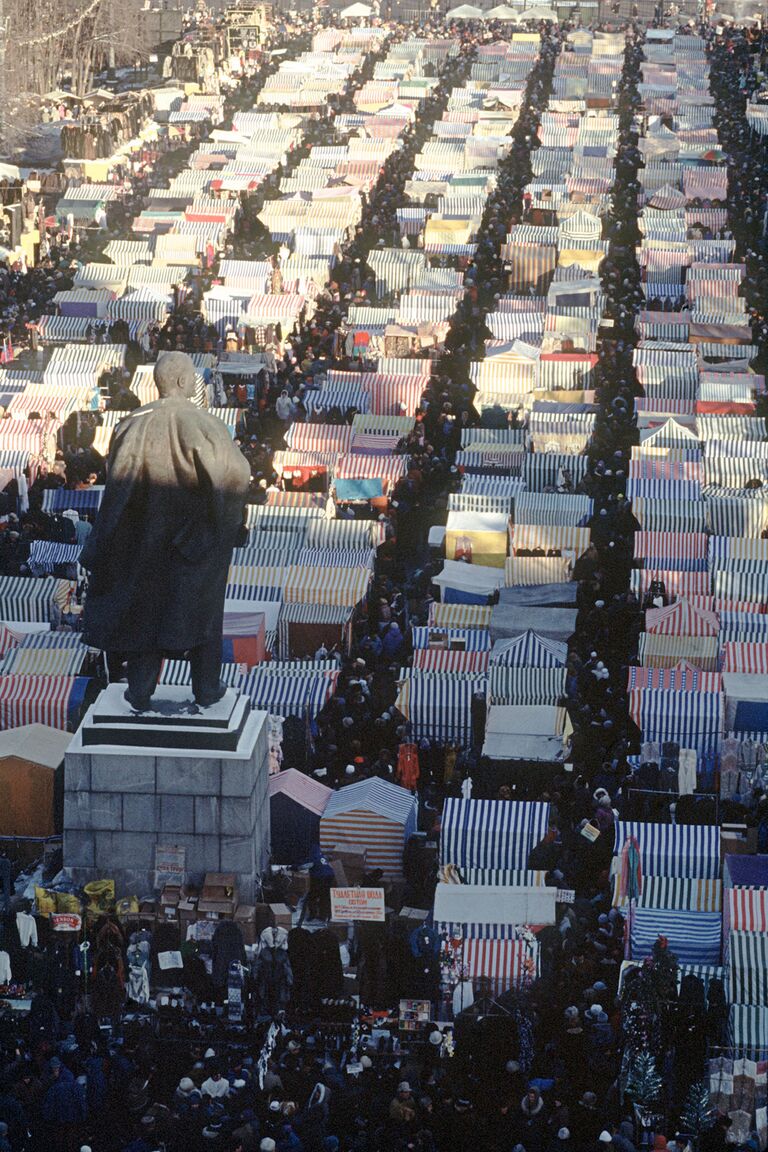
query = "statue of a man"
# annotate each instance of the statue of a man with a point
(161, 547)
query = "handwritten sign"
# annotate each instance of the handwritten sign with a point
(170, 864)
(357, 904)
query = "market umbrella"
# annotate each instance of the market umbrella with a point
(465, 12)
(540, 13)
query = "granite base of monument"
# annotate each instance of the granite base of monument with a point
(177, 774)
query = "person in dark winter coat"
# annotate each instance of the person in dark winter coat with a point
(63, 1110)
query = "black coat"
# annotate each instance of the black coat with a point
(160, 550)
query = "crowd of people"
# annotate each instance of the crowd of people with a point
(538, 1070)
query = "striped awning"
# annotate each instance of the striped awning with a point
(447, 638)
(747, 969)
(491, 833)
(748, 1030)
(438, 707)
(684, 850)
(674, 892)
(293, 694)
(446, 660)
(51, 700)
(24, 600)
(375, 813)
(529, 650)
(682, 678)
(694, 937)
(746, 910)
(459, 615)
(745, 656)
(504, 963)
(24, 661)
(527, 686)
(692, 719)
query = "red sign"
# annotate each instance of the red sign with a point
(66, 922)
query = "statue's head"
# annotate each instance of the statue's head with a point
(175, 375)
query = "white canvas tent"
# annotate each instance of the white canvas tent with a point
(477, 904)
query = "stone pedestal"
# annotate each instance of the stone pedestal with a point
(176, 775)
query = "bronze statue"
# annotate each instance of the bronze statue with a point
(161, 547)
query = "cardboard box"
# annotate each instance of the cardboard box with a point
(148, 912)
(171, 895)
(215, 909)
(219, 886)
(351, 855)
(737, 839)
(245, 917)
(283, 917)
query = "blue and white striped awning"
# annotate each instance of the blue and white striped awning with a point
(44, 555)
(79, 499)
(179, 672)
(466, 639)
(692, 719)
(295, 694)
(694, 937)
(491, 833)
(527, 686)
(529, 650)
(438, 707)
(686, 850)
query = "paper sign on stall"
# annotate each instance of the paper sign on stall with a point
(357, 904)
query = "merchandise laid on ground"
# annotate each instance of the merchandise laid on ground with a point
(472, 853)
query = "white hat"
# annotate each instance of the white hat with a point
(350, 770)
(366, 1062)
(595, 1010)
(208, 1054)
(267, 1145)
(605, 1137)
(563, 1134)
(436, 1037)
(403, 1086)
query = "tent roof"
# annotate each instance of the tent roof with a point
(465, 12)
(502, 12)
(474, 578)
(303, 789)
(37, 743)
(476, 904)
(355, 10)
(379, 796)
(681, 619)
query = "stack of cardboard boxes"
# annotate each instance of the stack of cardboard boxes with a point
(182, 905)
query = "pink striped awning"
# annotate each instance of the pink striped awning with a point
(681, 619)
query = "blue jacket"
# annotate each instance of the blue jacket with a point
(64, 1102)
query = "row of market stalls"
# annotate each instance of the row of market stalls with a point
(695, 480)
(295, 588)
(462, 651)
